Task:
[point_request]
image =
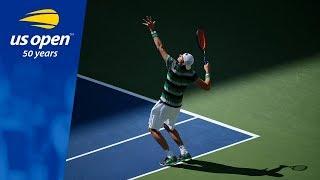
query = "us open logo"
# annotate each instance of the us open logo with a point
(46, 19)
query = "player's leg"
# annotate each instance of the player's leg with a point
(169, 125)
(159, 138)
(174, 135)
(184, 154)
(155, 123)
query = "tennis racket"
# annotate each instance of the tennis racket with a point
(202, 43)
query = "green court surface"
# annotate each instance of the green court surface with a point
(282, 106)
(266, 76)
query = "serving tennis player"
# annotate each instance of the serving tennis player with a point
(164, 113)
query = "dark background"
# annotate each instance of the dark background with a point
(244, 37)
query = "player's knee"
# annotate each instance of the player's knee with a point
(167, 128)
(151, 130)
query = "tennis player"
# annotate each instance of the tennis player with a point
(164, 113)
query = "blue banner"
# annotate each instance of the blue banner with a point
(39, 52)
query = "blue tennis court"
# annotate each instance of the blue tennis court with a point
(109, 137)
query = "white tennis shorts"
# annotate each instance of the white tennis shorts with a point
(162, 113)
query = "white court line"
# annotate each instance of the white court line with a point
(220, 123)
(117, 88)
(182, 110)
(121, 142)
(151, 172)
(154, 101)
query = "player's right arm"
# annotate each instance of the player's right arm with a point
(205, 84)
(151, 25)
(160, 47)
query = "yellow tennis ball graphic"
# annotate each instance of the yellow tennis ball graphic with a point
(44, 18)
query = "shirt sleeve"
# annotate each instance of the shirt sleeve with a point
(169, 61)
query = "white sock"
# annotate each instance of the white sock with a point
(168, 153)
(183, 150)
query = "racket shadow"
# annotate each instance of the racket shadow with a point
(211, 167)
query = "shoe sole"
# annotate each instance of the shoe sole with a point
(164, 165)
(185, 160)
(171, 164)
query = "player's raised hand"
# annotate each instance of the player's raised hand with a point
(149, 23)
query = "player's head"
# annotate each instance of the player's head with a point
(186, 59)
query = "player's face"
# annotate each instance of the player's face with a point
(180, 59)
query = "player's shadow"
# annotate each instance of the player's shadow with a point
(211, 167)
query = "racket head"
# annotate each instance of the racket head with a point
(201, 39)
(299, 167)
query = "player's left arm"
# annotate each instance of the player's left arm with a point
(151, 25)
(205, 84)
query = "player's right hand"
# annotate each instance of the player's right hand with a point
(149, 23)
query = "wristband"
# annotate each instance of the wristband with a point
(207, 75)
(154, 34)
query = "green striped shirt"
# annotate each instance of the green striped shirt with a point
(177, 80)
